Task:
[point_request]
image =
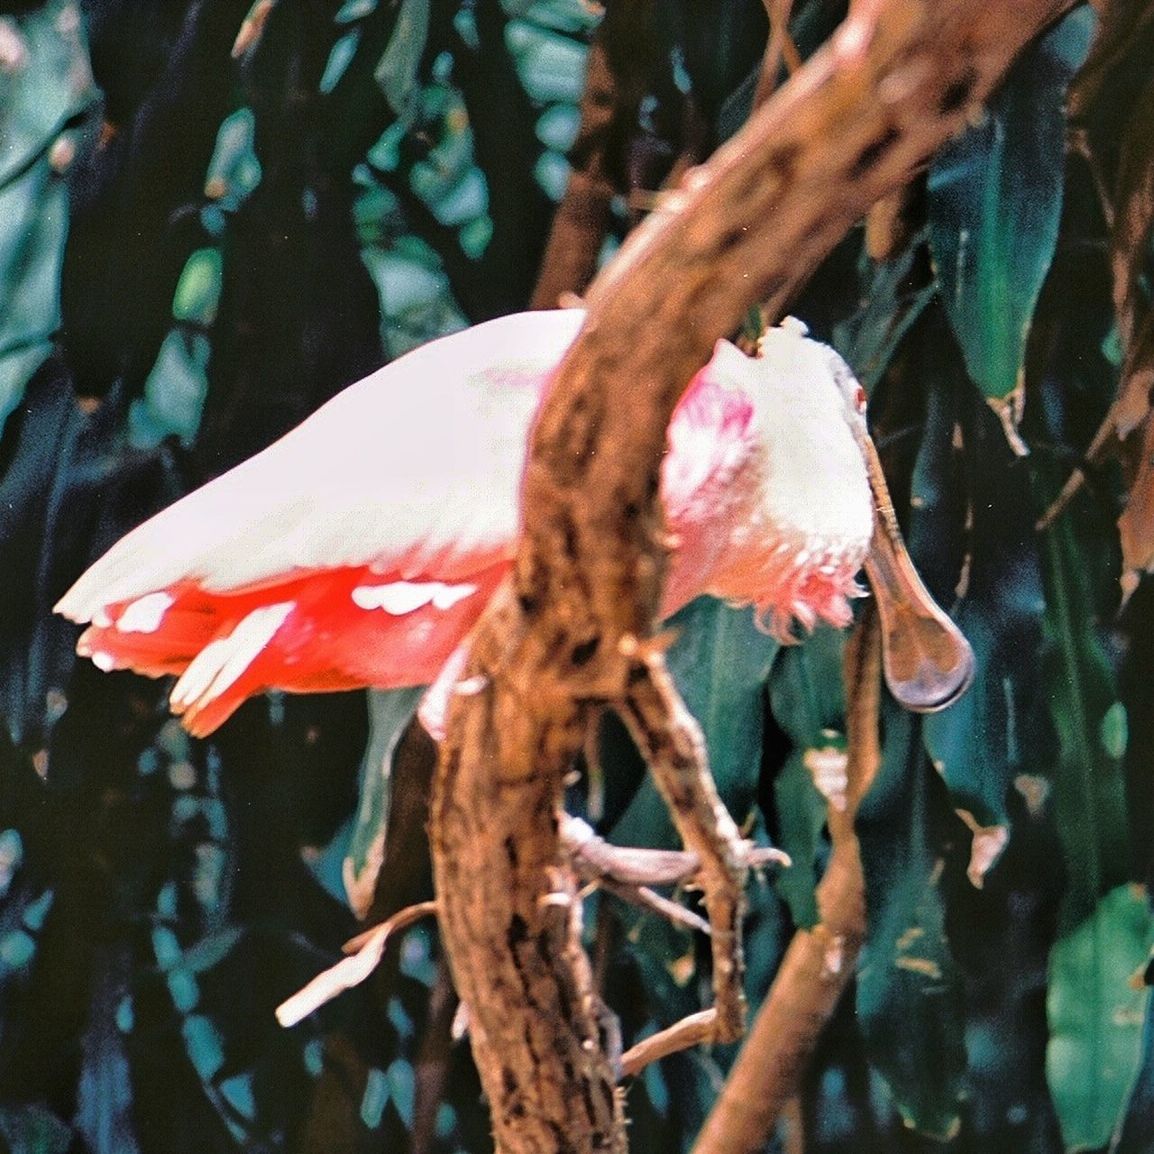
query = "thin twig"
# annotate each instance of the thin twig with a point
(648, 899)
(671, 741)
(819, 962)
(690, 1031)
(595, 859)
(252, 28)
(779, 46)
(365, 952)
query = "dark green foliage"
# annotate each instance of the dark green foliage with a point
(195, 252)
(995, 204)
(909, 990)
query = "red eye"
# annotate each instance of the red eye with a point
(860, 399)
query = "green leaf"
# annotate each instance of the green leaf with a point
(551, 66)
(869, 339)
(1136, 1133)
(174, 392)
(801, 820)
(48, 82)
(909, 994)
(390, 712)
(806, 692)
(30, 1128)
(993, 733)
(45, 85)
(995, 201)
(720, 662)
(33, 227)
(557, 127)
(1114, 732)
(234, 170)
(339, 59)
(1089, 782)
(1096, 1016)
(198, 290)
(807, 698)
(402, 1089)
(398, 68)
(572, 16)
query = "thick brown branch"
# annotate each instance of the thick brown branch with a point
(562, 638)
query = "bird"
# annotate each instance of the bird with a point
(360, 549)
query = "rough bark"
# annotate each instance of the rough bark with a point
(570, 632)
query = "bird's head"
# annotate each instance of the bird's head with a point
(766, 486)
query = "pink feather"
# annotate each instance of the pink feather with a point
(361, 548)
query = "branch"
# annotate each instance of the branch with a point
(617, 72)
(365, 952)
(691, 1031)
(819, 962)
(671, 742)
(560, 639)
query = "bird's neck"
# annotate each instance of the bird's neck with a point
(708, 484)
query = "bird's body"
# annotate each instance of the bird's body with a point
(361, 548)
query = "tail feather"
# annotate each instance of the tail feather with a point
(314, 632)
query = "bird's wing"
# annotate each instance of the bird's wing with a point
(413, 471)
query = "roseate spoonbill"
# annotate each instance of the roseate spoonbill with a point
(360, 548)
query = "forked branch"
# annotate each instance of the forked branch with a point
(561, 640)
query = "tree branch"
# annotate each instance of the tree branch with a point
(671, 742)
(560, 639)
(820, 961)
(616, 73)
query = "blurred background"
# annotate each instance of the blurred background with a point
(213, 217)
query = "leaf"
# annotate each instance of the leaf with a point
(870, 337)
(720, 662)
(234, 169)
(1123, 32)
(398, 69)
(390, 712)
(801, 821)
(45, 87)
(909, 994)
(995, 200)
(339, 59)
(33, 225)
(198, 290)
(806, 691)
(1111, 101)
(30, 1128)
(1095, 1016)
(1136, 1133)
(1134, 209)
(1089, 785)
(551, 66)
(104, 1094)
(1136, 524)
(807, 698)
(988, 737)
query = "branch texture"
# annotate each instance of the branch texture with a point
(561, 639)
